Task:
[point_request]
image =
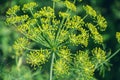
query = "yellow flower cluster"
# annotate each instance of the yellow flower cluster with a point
(45, 12)
(63, 36)
(17, 19)
(38, 57)
(74, 25)
(80, 39)
(83, 37)
(65, 54)
(99, 55)
(84, 65)
(75, 22)
(64, 14)
(118, 36)
(57, 34)
(23, 28)
(90, 11)
(31, 22)
(101, 22)
(13, 10)
(70, 5)
(20, 45)
(61, 68)
(95, 34)
(29, 6)
(65, 29)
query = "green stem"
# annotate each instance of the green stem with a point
(60, 28)
(53, 5)
(42, 42)
(108, 58)
(16, 59)
(74, 1)
(112, 55)
(30, 49)
(19, 63)
(33, 16)
(51, 68)
(42, 38)
(84, 17)
(31, 12)
(61, 24)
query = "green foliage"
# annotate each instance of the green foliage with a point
(19, 74)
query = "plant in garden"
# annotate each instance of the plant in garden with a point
(57, 34)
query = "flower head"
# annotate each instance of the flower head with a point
(61, 68)
(70, 5)
(95, 34)
(20, 45)
(17, 19)
(99, 55)
(84, 65)
(64, 14)
(65, 54)
(101, 22)
(90, 11)
(29, 6)
(36, 58)
(13, 10)
(45, 12)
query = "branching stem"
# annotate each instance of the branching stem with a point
(109, 58)
(113, 55)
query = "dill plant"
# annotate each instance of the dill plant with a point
(57, 35)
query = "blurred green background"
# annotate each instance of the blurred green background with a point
(110, 9)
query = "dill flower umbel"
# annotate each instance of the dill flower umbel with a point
(70, 5)
(90, 11)
(57, 34)
(95, 34)
(99, 55)
(20, 45)
(84, 65)
(36, 58)
(29, 6)
(61, 68)
(13, 10)
(101, 22)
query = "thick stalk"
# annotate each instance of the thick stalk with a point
(19, 63)
(51, 67)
